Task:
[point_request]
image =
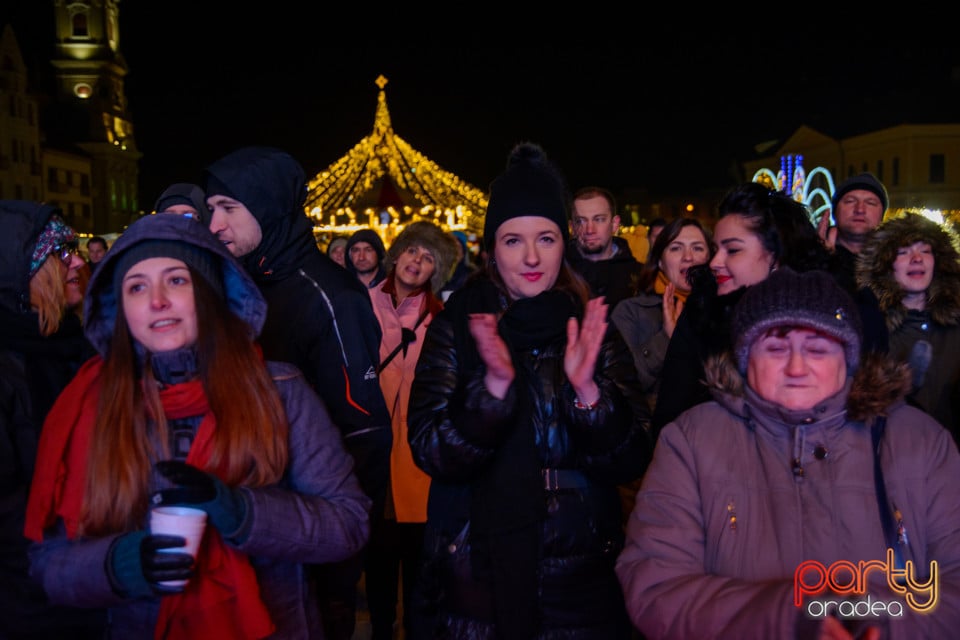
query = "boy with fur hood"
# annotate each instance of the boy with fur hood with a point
(912, 265)
(808, 453)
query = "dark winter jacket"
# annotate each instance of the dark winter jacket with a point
(319, 315)
(34, 369)
(614, 278)
(372, 238)
(317, 513)
(929, 340)
(462, 436)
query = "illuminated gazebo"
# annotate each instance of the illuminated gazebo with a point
(383, 183)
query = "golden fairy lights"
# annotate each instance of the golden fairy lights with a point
(352, 193)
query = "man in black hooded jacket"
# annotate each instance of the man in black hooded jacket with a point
(319, 317)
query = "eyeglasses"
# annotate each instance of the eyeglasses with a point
(66, 252)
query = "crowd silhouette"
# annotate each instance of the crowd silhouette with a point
(527, 434)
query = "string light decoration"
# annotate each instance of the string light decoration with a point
(383, 184)
(818, 198)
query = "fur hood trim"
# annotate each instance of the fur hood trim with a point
(875, 268)
(879, 383)
(441, 244)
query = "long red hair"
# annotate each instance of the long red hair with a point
(250, 445)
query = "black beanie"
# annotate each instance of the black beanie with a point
(811, 299)
(866, 181)
(182, 193)
(530, 186)
(193, 256)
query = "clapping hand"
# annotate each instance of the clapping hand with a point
(494, 353)
(583, 345)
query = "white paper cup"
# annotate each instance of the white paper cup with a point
(186, 522)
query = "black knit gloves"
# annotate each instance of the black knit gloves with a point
(225, 507)
(136, 565)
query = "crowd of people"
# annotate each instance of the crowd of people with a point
(558, 440)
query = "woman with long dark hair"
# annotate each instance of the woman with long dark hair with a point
(758, 231)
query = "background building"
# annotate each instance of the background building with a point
(918, 163)
(67, 138)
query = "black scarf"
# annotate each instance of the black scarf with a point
(508, 505)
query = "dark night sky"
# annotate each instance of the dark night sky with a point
(615, 99)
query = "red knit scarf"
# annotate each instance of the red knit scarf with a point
(223, 598)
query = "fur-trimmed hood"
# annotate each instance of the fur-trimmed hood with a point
(441, 244)
(875, 268)
(878, 383)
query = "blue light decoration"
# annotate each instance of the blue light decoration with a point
(793, 180)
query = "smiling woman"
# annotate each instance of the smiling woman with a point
(912, 265)
(526, 415)
(759, 231)
(41, 287)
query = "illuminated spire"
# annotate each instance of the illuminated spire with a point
(384, 183)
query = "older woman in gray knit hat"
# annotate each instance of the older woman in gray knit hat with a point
(762, 507)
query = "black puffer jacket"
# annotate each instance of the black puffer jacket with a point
(458, 431)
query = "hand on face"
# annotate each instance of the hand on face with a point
(672, 307)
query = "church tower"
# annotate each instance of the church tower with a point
(91, 106)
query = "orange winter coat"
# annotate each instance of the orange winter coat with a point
(409, 485)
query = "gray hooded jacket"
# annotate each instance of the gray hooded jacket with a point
(316, 514)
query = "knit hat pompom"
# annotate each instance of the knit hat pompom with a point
(811, 299)
(56, 234)
(865, 181)
(193, 256)
(530, 186)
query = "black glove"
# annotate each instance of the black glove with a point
(225, 507)
(136, 565)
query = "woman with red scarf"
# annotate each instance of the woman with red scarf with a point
(180, 408)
